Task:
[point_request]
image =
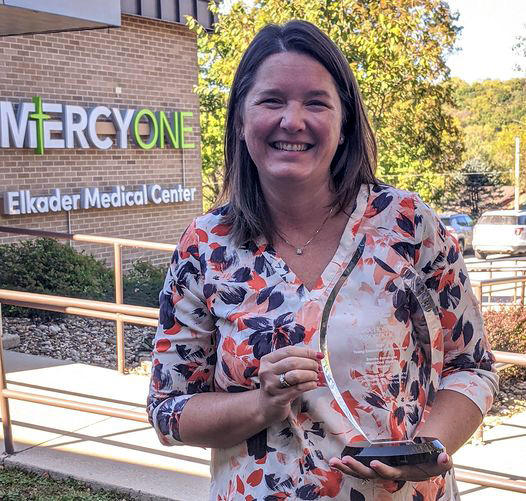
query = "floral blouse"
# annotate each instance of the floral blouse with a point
(224, 307)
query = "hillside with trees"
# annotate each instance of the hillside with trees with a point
(490, 115)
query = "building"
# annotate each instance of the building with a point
(99, 124)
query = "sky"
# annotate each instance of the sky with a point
(490, 30)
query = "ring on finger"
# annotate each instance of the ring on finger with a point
(283, 383)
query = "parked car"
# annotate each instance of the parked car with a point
(460, 226)
(500, 232)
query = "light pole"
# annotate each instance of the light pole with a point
(517, 166)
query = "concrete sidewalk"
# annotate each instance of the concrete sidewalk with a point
(126, 455)
(110, 452)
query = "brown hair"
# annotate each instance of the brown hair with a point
(354, 162)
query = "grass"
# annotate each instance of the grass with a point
(19, 485)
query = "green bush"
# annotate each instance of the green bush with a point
(506, 329)
(142, 284)
(46, 266)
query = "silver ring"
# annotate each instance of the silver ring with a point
(283, 383)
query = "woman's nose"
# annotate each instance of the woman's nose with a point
(292, 119)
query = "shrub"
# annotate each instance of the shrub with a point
(46, 266)
(506, 329)
(143, 283)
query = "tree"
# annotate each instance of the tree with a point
(476, 187)
(397, 51)
(491, 114)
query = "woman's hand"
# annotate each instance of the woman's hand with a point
(299, 367)
(382, 471)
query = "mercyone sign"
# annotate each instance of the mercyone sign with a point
(23, 202)
(76, 127)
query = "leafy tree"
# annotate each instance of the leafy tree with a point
(491, 114)
(396, 50)
(475, 188)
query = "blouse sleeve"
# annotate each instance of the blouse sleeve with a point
(469, 365)
(184, 355)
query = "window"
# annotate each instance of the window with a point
(498, 219)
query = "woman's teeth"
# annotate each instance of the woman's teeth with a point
(290, 146)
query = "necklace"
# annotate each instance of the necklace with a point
(299, 250)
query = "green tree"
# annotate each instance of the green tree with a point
(397, 51)
(476, 187)
(491, 114)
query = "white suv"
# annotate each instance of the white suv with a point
(460, 226)
(500, 232)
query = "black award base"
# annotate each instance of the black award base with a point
(421, 450)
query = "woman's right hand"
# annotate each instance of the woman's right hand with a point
(301, 369)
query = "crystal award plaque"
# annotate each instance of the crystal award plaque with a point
(387, 385)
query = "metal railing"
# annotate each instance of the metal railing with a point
(122, 313)
(119, 317)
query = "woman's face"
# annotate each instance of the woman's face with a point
(292, 120)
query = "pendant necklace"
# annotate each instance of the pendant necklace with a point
(299, 250)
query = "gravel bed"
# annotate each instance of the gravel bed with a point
(79, 339)
(93, 342)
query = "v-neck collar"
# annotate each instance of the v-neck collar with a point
(344, 252)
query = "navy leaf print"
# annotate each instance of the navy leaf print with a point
(449, 296)
(415, 390)
(413, 415)
(258, 323)
(356, 495)
(375, 400)
(264, 294)
(241, 275)
(457, 329)
(257, 445)
(286, 432)
(184, 352)
(462, 277)
(208, 290)
(462, 361)
(276, 484)
(394, 387)
(308, 491)
(399, 414)
(220, 257)
(452, 255)
(186, 269)
(467, 332)
(232, 294)
(479, 351)
(261, 266)
(381, 202)
(405, 249)
(275, 301)
(166, 316)
(406, 224)
(383, 265)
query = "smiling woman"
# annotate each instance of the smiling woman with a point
(304, 223)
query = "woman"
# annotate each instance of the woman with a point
(236, 366)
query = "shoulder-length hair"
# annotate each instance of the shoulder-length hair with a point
(354, 162)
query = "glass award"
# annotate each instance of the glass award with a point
(383, 389)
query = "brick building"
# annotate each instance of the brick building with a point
(146, 63)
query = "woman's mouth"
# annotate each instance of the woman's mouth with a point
(282, 146)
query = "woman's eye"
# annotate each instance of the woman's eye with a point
(271, 100)
(316, 103)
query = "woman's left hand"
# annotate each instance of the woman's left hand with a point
(382, 471)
